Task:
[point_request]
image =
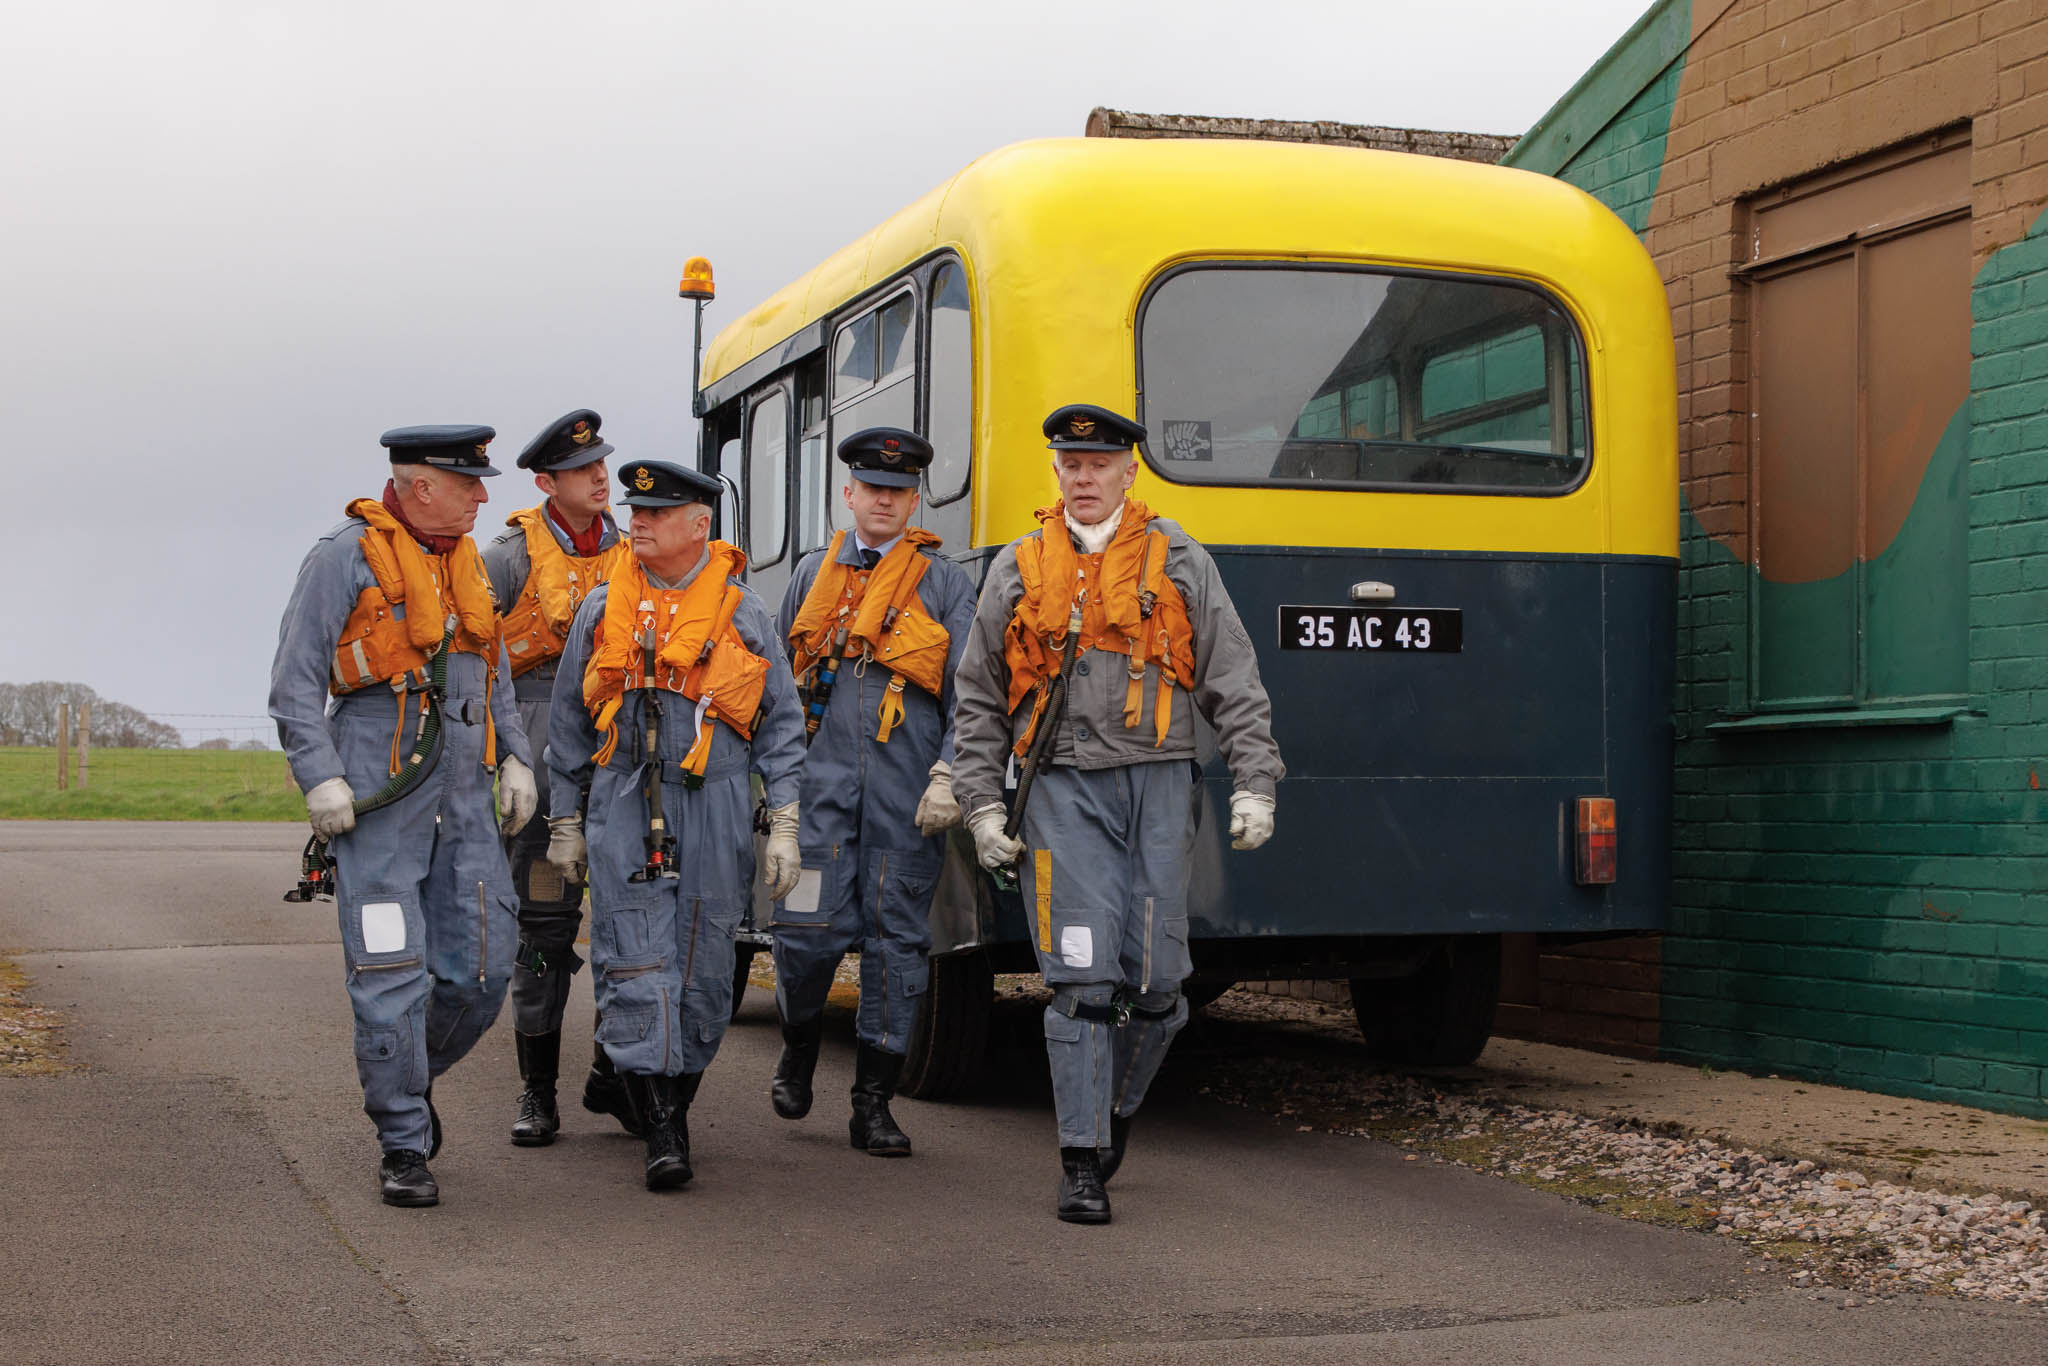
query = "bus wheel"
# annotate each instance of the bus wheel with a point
(742, 968)
(1440, 1015)
(951, 1030)
(1202, 993)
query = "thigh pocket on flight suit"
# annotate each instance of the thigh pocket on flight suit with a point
(1062, 1028)
(383, 930)
(377, 1045)
(905, 910)
(1083, 949)
(1170, 960)
(820, 890)
(711, 964)
(910, 972)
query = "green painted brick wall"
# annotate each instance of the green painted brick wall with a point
(1867, 906)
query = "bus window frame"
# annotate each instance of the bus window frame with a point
(1404, 382)
(929, 270)
(744, 515)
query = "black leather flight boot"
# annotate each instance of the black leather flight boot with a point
(540, 1062)
(1112, 1157)
(604, 1093)
(1082, 1198)
(791, 1088)
(668, 1148)
(873, 1128)
(405, 1180)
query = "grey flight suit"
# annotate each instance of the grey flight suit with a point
(550, 905)
(430, 975)
(869, 872)
(663, 950)
(1112, 819)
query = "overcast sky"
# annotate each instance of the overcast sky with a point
(243, 239)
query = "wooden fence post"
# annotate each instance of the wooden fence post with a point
(63, 745)
(84, 742)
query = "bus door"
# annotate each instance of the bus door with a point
(1440, 691)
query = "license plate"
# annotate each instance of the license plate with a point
(1415, 630)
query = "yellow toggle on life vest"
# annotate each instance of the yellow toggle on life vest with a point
(378, 646)
(1128, 607)
(876, 614)
(556, 583)
(699, 654)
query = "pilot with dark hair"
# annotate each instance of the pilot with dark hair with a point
(874, 623)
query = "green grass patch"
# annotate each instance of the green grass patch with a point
(152, 785)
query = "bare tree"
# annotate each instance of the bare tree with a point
(28, 716)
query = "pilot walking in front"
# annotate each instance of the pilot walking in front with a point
(393, 616)
(875, 623)
(543, 565)
(1130, 611)
(671, 691)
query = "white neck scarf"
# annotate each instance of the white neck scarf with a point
(1094, 539)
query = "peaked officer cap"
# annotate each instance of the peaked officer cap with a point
(1085, 427)
(568, 443)
(888, 456)
(658, 484)
(450, 448)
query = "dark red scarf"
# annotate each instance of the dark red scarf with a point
(586, 542)
(435, 545)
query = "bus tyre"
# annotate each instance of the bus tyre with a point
(1199, 994)
(951, 1030)
(1440, 1015)
(742, 968)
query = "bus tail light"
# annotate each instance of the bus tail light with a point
(1596, 841)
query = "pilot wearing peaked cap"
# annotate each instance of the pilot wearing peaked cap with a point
(546, 561)
(1129, 623)
(394, 618)
(874, 624)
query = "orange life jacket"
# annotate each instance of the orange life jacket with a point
(556, 582)
(1121, 600)
(377, 646)
(698, 651)
(877, 614)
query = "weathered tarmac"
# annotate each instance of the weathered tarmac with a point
(202, 1189)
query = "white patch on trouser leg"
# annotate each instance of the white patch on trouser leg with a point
(803, 898)
(383, 927)
(1077, 946)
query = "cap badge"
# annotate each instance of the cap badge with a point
(643, 479)
(480, 449)
(1081, 428)
(581, 434)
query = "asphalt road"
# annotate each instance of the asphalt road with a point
(204, 1191)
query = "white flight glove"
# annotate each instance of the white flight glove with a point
(785, 860)
(517, 796)
(1251, 819)
(936, 809)
(567, 852)
(331, 808)
(992, 847)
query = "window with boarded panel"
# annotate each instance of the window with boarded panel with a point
(1859, 349)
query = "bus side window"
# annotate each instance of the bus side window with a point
(874, 377)
(950, 395)
(767, 482)
(816, 488)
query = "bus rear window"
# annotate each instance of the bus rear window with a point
(1361, 379)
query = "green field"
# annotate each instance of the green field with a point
(152, 785)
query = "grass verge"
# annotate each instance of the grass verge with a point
(152, 785)
(30, 1036)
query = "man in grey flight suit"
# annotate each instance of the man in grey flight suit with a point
(1109, 826)
(663, 915)
(877, 790)
(577, 540)
(425, 903)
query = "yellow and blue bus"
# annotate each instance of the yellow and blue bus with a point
(1421, 411)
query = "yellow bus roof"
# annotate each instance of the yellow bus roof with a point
(1062, 237)
(1016, 207)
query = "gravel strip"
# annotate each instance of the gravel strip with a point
(1830, 1226)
